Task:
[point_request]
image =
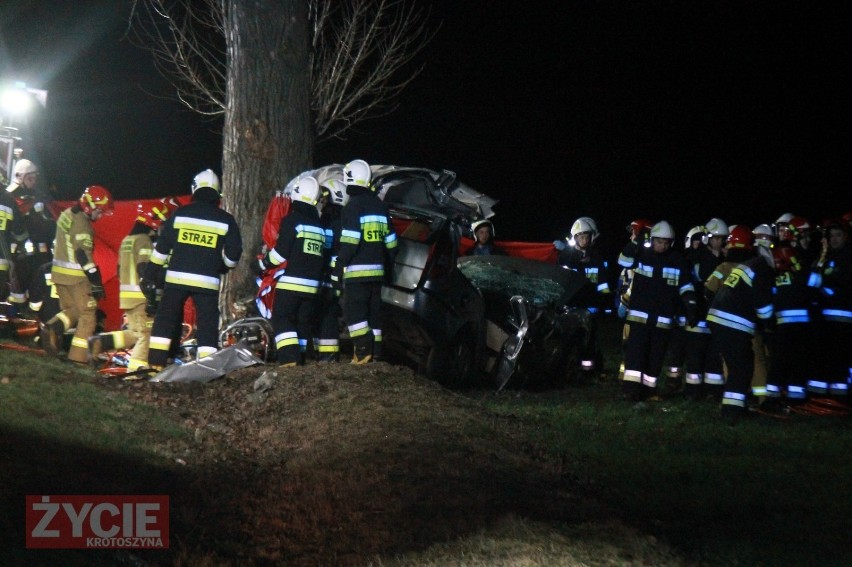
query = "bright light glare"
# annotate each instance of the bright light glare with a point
(16, 101)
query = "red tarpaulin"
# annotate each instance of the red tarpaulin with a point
(109, 232)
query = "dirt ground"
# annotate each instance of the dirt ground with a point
(335, 464)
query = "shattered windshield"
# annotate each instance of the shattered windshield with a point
(541, 284)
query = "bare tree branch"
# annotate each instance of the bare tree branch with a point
(360, 57)
(187, 41)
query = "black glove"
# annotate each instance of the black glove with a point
(149, 289)
(98, 292)
(151, 305)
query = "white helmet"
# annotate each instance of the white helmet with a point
(662, 230)
(337, 189)
(763, 235)
(24, 167)
(698, 230)
(205, 179)
(357, 172)
(483, 222)
(585, 224)
(785, 218)
(307, 190)
(717, 227)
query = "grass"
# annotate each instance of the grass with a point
(372, 466)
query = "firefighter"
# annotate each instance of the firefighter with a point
(743, 299)
(300, 248)
(638, 231)
(329, 311)
(200, 242)
(706, 370)
(33, 228)
(581, 256)
(661, 283)
(797, 232)
(764, 236)
(792, 338)
(368, 246)
(76, 276)
(676, 376)
(483, 234)
(7, 217)
(134, 253)
(703, 261)
(832, 277)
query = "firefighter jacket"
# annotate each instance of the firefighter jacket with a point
(199, 242)
(134, 250)
(33, 221)
(367, 238)
(590, 263)
(7, 217)
(792, 298)
(43, 299)
(661, 285)
(745, 297)
(301, 247)
(73, 248)
(833, 278)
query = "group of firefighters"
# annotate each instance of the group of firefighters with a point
(746, 316)
(175, 253)
(757, 318)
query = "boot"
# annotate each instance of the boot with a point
(51, 337)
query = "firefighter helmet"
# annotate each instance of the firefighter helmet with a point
(357, 172)
(585, 224)
(763, 235)
(784, 219)
(479, 224)
(796, 228)
(663, 230)
(24, 167)
(741, 237)
(337, 189)
(307, 190)
(206, 178)
(637, 227)
(153, 215)
(96, 197)
(715, 227)
(785, 258)
(695, 233)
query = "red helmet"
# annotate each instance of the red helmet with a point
(794, 230)
(785, 258)
(741, 237)
(96, 197)
(638, 227)
(153, 215)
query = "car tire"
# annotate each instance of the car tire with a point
(452, 364)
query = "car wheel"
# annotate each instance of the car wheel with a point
(452, 364)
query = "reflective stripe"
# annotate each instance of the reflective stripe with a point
(191, 223)
(301, 285)
(839, 315)
(359, 329)
(792, 316)
(363, 270)
(633, 376)
(731, 321)
(289, 338)
(192, 280)
(158, 258)
(275, 258)
(664, 323)
(734, 399)
(637, 316)
(713, 378)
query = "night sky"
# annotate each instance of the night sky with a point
(617, 110)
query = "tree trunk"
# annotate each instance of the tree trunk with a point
(268, 135)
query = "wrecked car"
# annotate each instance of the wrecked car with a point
(478, 320)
